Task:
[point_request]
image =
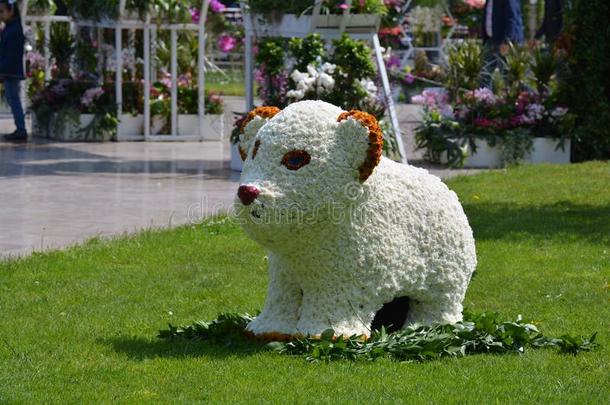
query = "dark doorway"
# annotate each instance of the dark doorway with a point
(392, 315)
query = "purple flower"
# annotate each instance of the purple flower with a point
(409, 78)
(393, 61)
(226, 43)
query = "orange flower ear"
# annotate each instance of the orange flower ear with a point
(375, 141)
(248, 132)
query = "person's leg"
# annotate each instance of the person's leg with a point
(12, 90)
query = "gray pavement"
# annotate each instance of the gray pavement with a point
(57, 194)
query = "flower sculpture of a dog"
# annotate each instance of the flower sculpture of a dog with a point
(347, 231)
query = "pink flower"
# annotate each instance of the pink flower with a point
(217, 6)
(226, 43)
(484, 122)
(485, 96)
(343, 6)
(478, 4)
(90, 96)
(195, 15)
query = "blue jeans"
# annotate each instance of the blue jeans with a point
(13, 98)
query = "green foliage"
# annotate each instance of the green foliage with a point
(95, 9)
(354, 62)
(306, 51)
(585, 86)
(270, 59)
(464, 67)
(41, 7)
(61, 47)
(225, 328)
(78, 325)
(353, 57)
(514, 145)
(545, 65)
(516, 68)
(478, 333)
(271, 55)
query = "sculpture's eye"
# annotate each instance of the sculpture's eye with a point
(257, 145)
(296, 159)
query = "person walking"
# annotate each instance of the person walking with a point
(12, 73)
(502, 24)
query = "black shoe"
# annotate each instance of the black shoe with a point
(17, 136)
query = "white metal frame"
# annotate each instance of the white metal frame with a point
(149, 29)
(407, 37)
(326, 34)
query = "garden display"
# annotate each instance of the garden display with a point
(519, 116)
(73, 82)
(347, 230)
(303, 69)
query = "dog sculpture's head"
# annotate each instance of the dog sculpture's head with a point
(300, 164)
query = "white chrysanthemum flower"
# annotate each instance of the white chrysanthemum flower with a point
(401, 232)
(296, 94)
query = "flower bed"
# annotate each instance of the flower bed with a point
(71, 110)
(492, 127)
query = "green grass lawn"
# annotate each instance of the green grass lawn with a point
(232, 83)
(79, 325)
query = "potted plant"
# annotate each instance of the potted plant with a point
(295, 18)
(518, 118)
(131, 121)
(70, 110)
(483, 129)
(211, 127)
(236, 158)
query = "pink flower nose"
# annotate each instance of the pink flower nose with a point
(247, 194)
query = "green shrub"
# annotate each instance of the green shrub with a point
(586, 85)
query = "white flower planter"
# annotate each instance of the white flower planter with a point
(156, 125)
(131, 125)
(545, 151)
(212, 126)
(69, 131)
(236, 162)
(353, 21)
(293, 25)
(485, 157)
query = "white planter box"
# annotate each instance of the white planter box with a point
(156, 125)
(212, 126)
(545, 151)
(293, 25)
(68, 130)
(354, 22)
(236, 162)
(485, 157)
(131, 125)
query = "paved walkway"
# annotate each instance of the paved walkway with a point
(57, 194)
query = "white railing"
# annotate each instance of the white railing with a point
(149, 29)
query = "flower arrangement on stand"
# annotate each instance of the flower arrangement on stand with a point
(346, 76)
(72, 110)
(508, 123)
(188, 106)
